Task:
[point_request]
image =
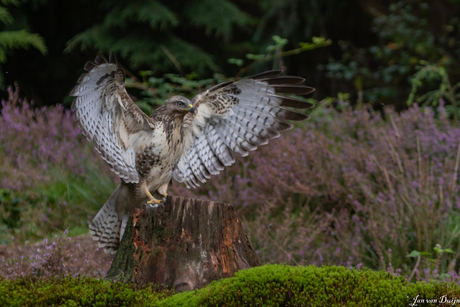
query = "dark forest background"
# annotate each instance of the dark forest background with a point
(377, 46)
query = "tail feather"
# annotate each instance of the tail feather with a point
(105, 228)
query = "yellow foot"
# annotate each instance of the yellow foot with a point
(165, 194)
(153, 201)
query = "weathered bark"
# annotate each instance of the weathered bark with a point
(185, 243)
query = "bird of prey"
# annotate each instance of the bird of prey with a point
(188, 140)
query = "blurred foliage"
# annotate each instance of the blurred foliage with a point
(445, 91)
(38, 195)
(10, 212)
(150, 31)
(176, 37)
(12, 37)
(408, 35)
(434, 262)
(155, 91)
(378, 45)
(50, 208)
(276, 54)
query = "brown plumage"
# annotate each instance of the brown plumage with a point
(185, 140)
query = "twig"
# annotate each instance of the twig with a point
(454, 178)
(173, 59)
(419, 155)
(416, 266)
(129, 73)
(395, 127)
(141, 86)
(451, 96)
(282, 249)
(282, 54)
(136, 83)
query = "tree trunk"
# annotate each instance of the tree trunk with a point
(185, 243)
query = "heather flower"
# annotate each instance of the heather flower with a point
(41, 148)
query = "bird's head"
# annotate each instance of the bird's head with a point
(179, 106)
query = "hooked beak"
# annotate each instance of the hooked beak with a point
(191, 109)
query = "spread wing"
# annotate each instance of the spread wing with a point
(237, 117)
(109, 117)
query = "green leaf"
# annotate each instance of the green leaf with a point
(255, 57)
(145, 73)
(413, 254)
(5, 16)
(13, 2)
(306, 46)
(20, 39)
(443, 276)
(318, 40)
(280, 42)
(442, 71)
(151, 12)
(142, 51)
(218, 17)
(271, 48)
(238, 62)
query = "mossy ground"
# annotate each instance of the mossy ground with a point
(269, 285)
(282, 285)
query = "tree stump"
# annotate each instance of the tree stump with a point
(184, 243)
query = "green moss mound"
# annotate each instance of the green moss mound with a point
(269, 285)
(282, 285)
(82, 291)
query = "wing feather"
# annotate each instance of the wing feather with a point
(109, 117)
(237, 117)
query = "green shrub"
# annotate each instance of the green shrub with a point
(282, 285)
(82, 291)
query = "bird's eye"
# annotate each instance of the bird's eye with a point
(180, 103)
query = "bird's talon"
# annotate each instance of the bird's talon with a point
(153, 201)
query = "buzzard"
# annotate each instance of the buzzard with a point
(185, 140)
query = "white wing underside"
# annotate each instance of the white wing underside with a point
(236, 118)
(109, 117)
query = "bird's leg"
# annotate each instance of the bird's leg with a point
(152, 199)
(162, 189)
